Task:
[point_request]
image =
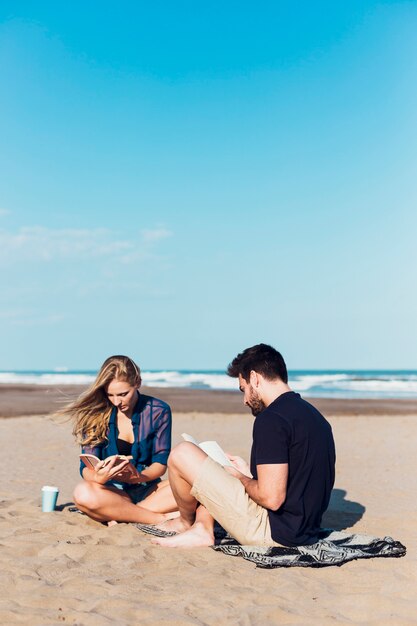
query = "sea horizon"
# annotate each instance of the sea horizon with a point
(329, 383)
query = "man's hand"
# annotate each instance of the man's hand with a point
(239, 464)
(233, 471)
(269, 490)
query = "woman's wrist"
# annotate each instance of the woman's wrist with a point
(100, 480)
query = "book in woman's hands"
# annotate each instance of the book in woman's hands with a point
(129, 471)
(90, 460)
(211, 448)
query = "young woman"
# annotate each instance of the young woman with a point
(112, 420)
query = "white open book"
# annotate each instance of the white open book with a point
(211, 448)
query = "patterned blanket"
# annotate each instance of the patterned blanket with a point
(333, 548)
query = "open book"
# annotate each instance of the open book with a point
(90, 460)
(129, 471)
(211, 448)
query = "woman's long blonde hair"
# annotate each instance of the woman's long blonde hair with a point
(91, 411)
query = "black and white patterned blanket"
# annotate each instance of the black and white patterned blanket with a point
(333, 548)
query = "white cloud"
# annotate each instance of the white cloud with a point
(29, 317)
(39, 320)
(155, 235)
(38, 243)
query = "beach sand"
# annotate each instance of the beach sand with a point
(62, 567)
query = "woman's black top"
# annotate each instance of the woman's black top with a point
(124, 447)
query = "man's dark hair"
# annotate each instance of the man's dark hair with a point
(262, 359)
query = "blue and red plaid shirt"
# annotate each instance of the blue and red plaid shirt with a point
(151, 421)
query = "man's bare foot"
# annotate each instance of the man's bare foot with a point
(177, 525)
(195, 537)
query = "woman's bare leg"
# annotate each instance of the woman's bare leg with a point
(161, 500)
(105, 504)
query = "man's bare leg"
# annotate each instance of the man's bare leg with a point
(200, 534)
(184, 464)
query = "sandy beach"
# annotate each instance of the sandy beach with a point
(62, 567)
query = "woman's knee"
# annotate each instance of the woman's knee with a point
(86, 494)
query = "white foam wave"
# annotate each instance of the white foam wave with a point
(317, 384)
(384, 385)
(12, 378)
(380, 385)
(189, 379)
(309, 381)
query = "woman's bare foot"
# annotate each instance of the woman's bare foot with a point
(177, 525)
(112, 522)
(196, 536)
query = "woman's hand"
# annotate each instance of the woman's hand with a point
(129, 474)
(109, 469)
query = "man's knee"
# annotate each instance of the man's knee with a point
(182, 454)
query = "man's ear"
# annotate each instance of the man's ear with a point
(254, 378)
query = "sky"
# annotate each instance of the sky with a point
(180, 181)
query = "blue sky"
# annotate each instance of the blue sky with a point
(182, 180)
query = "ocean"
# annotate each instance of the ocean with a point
(312, 383)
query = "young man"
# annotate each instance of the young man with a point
(281, 497)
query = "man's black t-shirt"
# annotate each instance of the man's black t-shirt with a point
(290, 430)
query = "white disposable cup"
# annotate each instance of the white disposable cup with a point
(49, 498)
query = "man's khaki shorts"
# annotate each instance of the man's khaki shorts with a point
(226, 500)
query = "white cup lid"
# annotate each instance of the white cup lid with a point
(48, 488)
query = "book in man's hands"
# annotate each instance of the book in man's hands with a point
(211, 448)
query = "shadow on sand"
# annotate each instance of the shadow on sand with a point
(342, 513)
(64, 507)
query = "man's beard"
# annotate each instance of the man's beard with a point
(255, 403)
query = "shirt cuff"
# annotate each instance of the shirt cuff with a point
(161, 458)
